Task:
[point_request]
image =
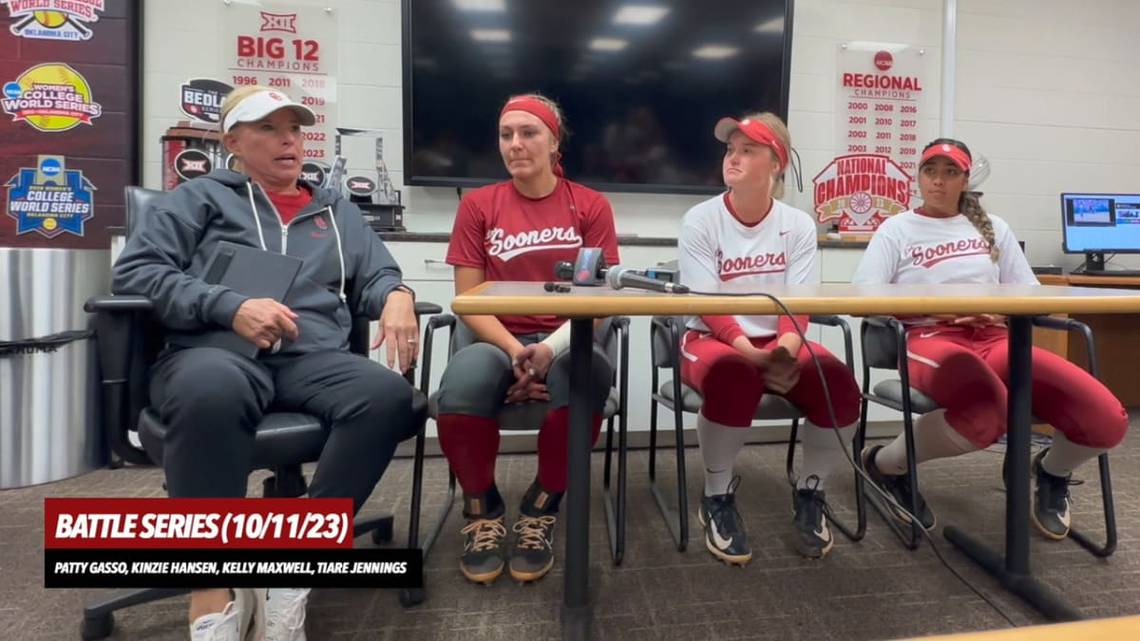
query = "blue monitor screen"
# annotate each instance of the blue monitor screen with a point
(1101, 222)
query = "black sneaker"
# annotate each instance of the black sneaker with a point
(532, 555)
(482, 560)
(725, 536)
(1051, 501)
(483, 536)
(898, 486)
(813, 536)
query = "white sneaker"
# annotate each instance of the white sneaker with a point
(285, 614)
(243, 619)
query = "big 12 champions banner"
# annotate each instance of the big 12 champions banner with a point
(289, 48)
(880, 102)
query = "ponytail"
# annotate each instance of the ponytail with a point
(971, 207)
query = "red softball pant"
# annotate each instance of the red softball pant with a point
(966, 370)
(732, 386)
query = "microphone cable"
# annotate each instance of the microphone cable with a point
(850, 460)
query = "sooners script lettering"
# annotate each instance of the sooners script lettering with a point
(769, 263)
(930, 255)
(506, 247)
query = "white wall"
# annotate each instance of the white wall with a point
(1048, 90)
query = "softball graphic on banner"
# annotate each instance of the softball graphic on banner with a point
(53, 19)
(51, 97)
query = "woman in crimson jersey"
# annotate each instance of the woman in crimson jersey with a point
(745, 240)
(962, 362)
(517, 230)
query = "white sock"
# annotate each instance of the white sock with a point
(1064, 456)
(719, 447)
(933, 438)
(822, 452)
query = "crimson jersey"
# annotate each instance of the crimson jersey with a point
(512, 237)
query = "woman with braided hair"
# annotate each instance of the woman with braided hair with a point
(962, 363)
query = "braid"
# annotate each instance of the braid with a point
(971, 207)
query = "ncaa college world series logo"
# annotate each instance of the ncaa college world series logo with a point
(51, 97)
(50, 199)
(53, 19)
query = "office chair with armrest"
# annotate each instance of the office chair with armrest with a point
(129, 339)
(529, 416)
(665, 349)
(883, 339)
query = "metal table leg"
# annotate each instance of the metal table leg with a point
(576, 606)
(1012, 569)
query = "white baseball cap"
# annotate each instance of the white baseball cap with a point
(258, 105)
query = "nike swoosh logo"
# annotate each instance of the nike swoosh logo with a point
(1065, 517)
(927, 334)
(785, 233)
(824, 532)
(719, 540)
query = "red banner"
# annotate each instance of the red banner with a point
(197, 523)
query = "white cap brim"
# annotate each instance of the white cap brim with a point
(724, 128)
(259, 105)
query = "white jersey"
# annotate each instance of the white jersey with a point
(911, 248)
(716, 248)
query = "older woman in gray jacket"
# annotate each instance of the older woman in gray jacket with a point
(211, 398)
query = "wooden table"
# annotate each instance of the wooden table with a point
(1117, 347)
(1118, 629)
(1019, 302)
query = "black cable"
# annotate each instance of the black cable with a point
(850, 459)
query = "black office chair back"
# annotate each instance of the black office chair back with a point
(139, 202)
(661, 351)
(880, 347)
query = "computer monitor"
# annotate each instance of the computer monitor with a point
(1099, 224)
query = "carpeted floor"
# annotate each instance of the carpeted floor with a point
(874, 589)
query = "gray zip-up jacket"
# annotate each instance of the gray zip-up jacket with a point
(347, 269)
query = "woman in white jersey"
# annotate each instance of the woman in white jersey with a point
(962, 362)
(745, 240)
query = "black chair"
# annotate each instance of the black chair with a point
(883, 339)
(529, 416)
(665, 349)
(129, 338)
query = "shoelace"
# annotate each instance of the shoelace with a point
(532, 531)
(727, 503)
(817, 505)
(487, 533)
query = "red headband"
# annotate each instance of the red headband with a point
(756, 131)
(537, 108)
(953, 152)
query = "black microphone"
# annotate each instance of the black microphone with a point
(564, 270)
(618, 277)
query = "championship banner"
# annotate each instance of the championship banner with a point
(214, 543)
(67, 20)
(861, 191)
(290, 48)
(880, 101)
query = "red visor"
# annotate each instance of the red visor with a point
(956, 155)
(756, 131)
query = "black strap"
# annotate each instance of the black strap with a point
(43, 344)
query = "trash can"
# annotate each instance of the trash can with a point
(50, 421)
